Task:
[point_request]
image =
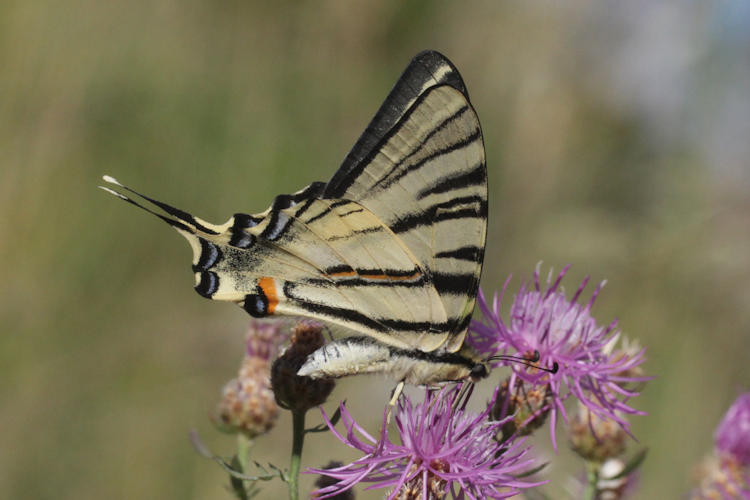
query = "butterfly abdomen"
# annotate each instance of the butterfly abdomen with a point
(366, 355)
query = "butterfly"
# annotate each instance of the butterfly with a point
(390, 249)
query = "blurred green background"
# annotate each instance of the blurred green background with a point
(617, 137)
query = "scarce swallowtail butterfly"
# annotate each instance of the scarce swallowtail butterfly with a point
(389, 249)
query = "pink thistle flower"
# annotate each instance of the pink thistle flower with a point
(733, 433)
(562, 332)
(727, 474)
(443, 450)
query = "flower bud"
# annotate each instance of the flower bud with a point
(594, 438)
(528, 405)
(292, 391)
(247, 404)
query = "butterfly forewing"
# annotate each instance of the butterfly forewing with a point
(427, 181)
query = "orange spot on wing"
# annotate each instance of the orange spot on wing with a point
(268, 286)
(379, 276)
(343, 274)
(393, 278)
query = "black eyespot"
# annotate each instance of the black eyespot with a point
(243, 221)
(209, 257)
(256, 304)
(283, 201)
(208, 284)
(241, 239)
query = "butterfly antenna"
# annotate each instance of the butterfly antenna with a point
(530, 362)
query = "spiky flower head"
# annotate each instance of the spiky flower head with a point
(523, 407)
(443, 451)
(727, 474)
(247, 404)
(264, 338)
(720, 478)
(561, 332)
(733, 433)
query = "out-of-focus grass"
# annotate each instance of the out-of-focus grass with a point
(616, 142)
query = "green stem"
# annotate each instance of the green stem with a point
(243, 451)
(298, 439)
(592, 481)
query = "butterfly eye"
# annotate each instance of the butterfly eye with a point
(479, 371)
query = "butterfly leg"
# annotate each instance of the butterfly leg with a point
(394, 399)
(463, 394)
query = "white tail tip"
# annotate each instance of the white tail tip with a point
(113, 192)
(111, 180)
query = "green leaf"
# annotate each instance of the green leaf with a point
(632, 464)
(233, 470)
(532, 471)
(324, 427)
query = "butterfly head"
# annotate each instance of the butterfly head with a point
(479, 372)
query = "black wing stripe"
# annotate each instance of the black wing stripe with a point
(469, 253)
(460, 144)
(304, 207)
(356, 281)
(277, 226)
(473, 177)
(354, 211)
(440, 212)
(327, 210)
(453, 283)
(386, 181)
(377, 324)
(366, 230)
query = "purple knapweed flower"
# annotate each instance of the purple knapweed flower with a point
(563, 333)
(727, 474)
(264, 338)
(443, 450)
(733, 433)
